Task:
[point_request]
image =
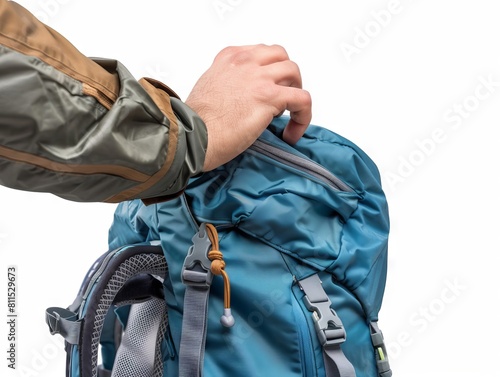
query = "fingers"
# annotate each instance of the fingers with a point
(260, 54)
(273, 60)
(293, 98)
(240, 93)
(285, 73)
(294, 131)
(270, 54)
(300, 106)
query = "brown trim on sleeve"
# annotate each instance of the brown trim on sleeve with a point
(119, 171)
(22, 32)
(159, 85)
(160, 94)
(162, 100)
(93, 92)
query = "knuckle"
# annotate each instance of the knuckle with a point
(280, 50)
(236, 55)
(268, 92)
(306, 98)
(226, 51)
(294, 67)
(241, 57)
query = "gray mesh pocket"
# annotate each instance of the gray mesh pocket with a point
(148, 321)
(139, 353)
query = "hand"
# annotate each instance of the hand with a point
(238, 96)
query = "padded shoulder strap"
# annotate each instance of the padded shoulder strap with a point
(82, 323)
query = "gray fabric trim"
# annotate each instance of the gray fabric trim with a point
(300, 163)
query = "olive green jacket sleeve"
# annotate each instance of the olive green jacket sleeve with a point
(85, 129)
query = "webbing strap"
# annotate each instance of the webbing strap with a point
(329, 328)
(336, 364)
(194, 328)
(197, 277)
(64, 322)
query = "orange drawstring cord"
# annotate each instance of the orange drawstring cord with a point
(217, 267)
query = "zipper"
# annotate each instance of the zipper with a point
(300, 163)
(306, 345)
(194, 222)
(189, 213)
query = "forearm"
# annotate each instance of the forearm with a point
(87, 133)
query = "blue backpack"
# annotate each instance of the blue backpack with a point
(274, 264)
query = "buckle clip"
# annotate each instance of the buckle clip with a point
(196, 269)
(327, 323)
(54, 325)
(383, 365)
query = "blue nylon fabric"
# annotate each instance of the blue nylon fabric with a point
(362, 264)
(74, 367)
(276, 222)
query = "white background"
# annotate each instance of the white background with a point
(391, 76)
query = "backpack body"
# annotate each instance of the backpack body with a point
(283, 214)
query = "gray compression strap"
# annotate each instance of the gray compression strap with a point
(197, 277)
(329, 328)
(64, 322)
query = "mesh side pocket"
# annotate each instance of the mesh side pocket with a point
(154, 264)
(139, 353)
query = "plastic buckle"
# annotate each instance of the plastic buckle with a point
(383, 365)
(196, 268)
(54, 324)
(327, 323)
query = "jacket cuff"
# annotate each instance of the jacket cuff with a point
(188, 137)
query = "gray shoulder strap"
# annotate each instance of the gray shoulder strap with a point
(197, 277)
(329, 328)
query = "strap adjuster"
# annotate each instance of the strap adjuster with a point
(327, 323)
(384, 369)
(329, 328)
(196, 269)
(53, 320)
(63, 322)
